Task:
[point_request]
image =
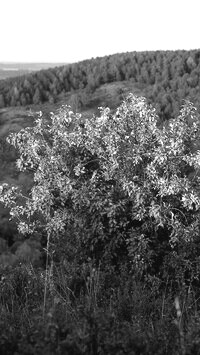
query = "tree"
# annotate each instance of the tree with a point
(23, 99)
(124, 189)
(2, 102)
(37, 97)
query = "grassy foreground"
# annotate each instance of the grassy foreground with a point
(89, 311)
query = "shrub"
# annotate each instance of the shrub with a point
(116, 187)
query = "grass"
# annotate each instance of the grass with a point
(92, 311)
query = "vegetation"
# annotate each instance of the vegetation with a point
(166, 77)
(13, 119)
(115, 203)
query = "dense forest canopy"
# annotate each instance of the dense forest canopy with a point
(167, 78)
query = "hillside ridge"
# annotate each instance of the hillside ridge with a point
(167, 77)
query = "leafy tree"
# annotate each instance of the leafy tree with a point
(118, 186)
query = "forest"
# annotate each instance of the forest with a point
(99, 207)
(166, 77)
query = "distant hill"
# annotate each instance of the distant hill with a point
(12, 69)
(166, 78)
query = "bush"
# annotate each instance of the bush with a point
(115, 188)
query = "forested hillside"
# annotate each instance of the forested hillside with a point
(166, 78)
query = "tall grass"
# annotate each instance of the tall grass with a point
(90, 311)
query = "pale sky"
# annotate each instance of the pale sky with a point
(73, 30)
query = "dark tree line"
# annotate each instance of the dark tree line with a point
(166, 77)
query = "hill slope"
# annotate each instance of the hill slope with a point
(168, 77)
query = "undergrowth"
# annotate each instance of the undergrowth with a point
(92, 311)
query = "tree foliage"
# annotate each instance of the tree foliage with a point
(124, 189)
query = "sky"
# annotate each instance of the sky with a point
(72, 30)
